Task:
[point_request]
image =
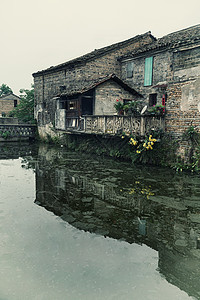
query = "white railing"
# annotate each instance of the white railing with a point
(113, 125)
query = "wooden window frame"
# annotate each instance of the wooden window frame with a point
(129, 69)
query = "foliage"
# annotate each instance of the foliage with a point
(156, 148)
(5, 134)
(193, 136)
(25, 110)
(5, 90)
(157, 109)
(119, 105)
(130, 108)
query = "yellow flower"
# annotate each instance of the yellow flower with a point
(144, 145)
(138, 151)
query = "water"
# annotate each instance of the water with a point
(77, 227)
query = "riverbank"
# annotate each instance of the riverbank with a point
(157, 148)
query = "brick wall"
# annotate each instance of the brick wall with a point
(7, 103)
(162, 73)
(183, 106)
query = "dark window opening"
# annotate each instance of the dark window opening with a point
(152, 99)
(87, 106)
(62, 104)
(129, 69)
(15, 103)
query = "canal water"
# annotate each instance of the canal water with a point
(77, 227)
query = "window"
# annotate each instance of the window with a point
(15, 103)
(152, 99)
(71, 105)
(148, 71)
(129, 69)
(62, 105)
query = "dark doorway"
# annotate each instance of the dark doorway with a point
(152, 99)
(87, 105)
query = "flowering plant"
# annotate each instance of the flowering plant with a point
(130, 108)
(119, 105)
(157, 109)
(145, 146)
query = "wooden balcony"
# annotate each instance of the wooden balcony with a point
(115, 125)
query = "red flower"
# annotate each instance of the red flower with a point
(117, 100)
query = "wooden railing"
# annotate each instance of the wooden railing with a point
(138, 125)
(17, 131)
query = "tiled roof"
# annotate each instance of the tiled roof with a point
(9, 96)
(96, 53)
(83, 86)
(176, 39)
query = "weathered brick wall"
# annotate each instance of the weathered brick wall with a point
(162, 73)
(106, 95)
(6, 106)
(47, 84)
(7, 103)
(186, 63)
(183, 106)
(183, 111)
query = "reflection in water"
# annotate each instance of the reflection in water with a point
(141, 205)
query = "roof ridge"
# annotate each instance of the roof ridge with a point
(5, 95)
(97, 51)
(179, 31)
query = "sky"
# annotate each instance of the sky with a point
(42, 33)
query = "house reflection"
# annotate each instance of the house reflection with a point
(101, 204)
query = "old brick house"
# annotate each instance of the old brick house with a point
(78, 74)
(164, 70)
(7, 103)
(93, 97)
(168, 70)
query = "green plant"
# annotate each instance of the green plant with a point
(25, 110)
(132, 108)
(119, 105)
(193, 136)
(157, 109)
(5, 134)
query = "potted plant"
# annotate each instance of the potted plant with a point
(119, 106)
(157, 109)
